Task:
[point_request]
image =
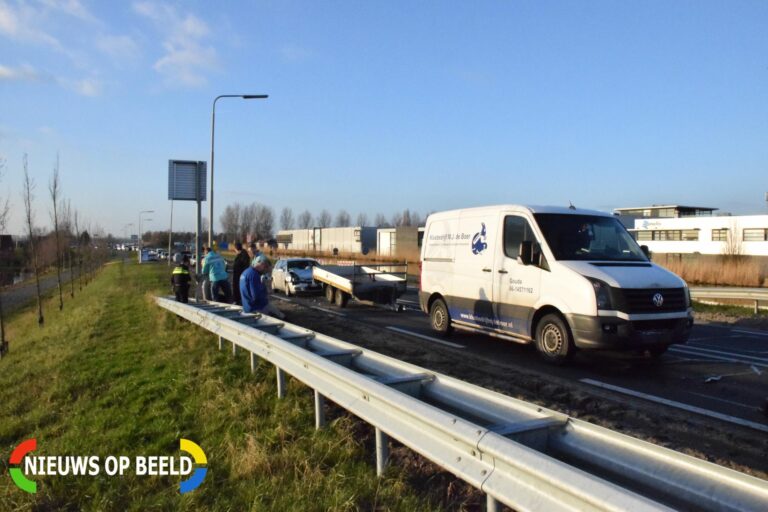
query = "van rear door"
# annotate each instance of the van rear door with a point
(517, 287)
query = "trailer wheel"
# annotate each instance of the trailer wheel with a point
(330, 293)
(342, 298)
(439, 318)
(657, 351)
(553, 340)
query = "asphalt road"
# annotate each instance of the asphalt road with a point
(722, 372)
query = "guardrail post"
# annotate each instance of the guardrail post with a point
(254, 362)
(382, 451)
(491, 504)
(319, 410)
(757, 307)
(280, 383)
(221, 343)
(234, 349)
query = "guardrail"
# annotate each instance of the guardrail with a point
(719, 292)
(519, 454)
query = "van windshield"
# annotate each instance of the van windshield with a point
(588, 237)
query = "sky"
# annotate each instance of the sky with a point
(378, 106)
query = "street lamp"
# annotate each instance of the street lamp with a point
(140, 214)
(213, 131)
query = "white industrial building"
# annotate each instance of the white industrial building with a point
(692, 229)
(403, 241)
(351, 240)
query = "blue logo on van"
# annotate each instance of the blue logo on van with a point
(478, 241)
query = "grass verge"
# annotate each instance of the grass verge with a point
(115, 375)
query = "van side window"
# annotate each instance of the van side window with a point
(516, 230)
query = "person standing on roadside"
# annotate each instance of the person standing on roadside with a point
(215, 268)
(253, 251)
(253, 291)
(241, 264)
(180, 280)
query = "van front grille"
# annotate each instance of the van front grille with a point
(645, 300)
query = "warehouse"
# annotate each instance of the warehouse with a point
(349, 240)
(690, 229)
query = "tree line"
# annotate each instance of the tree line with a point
(65, 245)
(257, 220)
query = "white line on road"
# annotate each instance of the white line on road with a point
(752, 333)
(329, 311)
(428, 338)
(739, 404)
(678, 405)
(721, 356)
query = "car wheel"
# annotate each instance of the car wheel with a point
(553, 340)
(342, 298)
(330, 293)
(657, 351)
(439, 318)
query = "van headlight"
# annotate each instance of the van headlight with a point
(602, 293)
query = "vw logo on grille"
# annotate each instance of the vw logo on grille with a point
(658, 300)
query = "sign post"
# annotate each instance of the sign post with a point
(186, 182)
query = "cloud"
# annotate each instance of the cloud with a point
(25, 73)
(71, 7)
(21, 24)
(118, 47)
(188, 57)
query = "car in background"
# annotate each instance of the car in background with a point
(294, 275)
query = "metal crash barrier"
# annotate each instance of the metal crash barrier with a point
(519, 454)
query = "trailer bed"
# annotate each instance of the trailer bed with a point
(379, 284)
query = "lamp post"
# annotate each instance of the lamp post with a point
(213, 132)
(140, 214)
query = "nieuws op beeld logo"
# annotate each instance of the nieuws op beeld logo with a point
(25, 465)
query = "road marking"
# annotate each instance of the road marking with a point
(428, 338)
(721, 356)
(752, 333)
(329, 311)
(739, 404)
(678, 405)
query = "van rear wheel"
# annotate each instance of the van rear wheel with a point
(553, 340)
(439, 318)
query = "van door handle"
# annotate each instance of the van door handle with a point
(502, 271)
(487, 270)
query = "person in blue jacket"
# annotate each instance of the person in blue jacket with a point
(215, 268)
(253, 292)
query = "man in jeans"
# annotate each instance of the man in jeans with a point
(215, 268)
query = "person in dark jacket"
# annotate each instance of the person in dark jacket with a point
(180, 280)
(241, 264)
(253, 291)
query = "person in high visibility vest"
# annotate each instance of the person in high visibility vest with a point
(180, 280)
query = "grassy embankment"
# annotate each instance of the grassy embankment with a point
(115, 375)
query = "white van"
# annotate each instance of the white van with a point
(562, 278)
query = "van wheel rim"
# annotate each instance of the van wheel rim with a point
(552, 339)
(439, 318)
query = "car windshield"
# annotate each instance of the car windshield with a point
(301, 265)
(588, 237)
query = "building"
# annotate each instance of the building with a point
(693, 229)
(399, 242)
(351, 240)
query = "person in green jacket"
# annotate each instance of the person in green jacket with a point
(215, 268)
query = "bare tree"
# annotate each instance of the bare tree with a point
(305, 220)
(79, 253)
(342, 219)
(286, 218)
(248, 220)
(66, 227)
(324, 219)
(415, 219)
(29, 186)
(362, 219)
(230, 221)
(265, 222)
(5, 209)
(733, 247)
(54, 187)
(380, 221)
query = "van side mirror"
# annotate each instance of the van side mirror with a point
(525, 253)
(646, 251)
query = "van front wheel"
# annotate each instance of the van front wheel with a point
(439, 317)
(553, 340)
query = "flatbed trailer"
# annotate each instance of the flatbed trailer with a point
(380, 284)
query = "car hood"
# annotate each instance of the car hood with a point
(305, 274)
(626, 275)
